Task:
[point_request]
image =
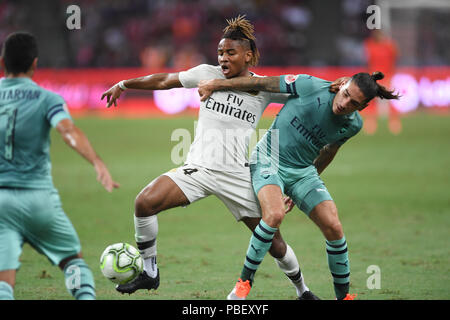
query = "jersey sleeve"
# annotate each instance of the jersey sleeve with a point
(190, 78)
(300, 84)
(56, 109)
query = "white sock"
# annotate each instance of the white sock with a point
(6, 291)
(146, 231)
(289, 265)
(151, 267)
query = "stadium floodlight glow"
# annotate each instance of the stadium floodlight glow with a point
(176, 100)
(427, 87)
(424, 92)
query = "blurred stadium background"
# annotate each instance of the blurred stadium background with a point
(123, 39)
(391, 190)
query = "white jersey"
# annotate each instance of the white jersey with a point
(226, 122)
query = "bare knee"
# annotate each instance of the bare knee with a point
(332, 228)
(274, 218)
(147, 204)
(333, 231)
(272, 205)
(325, 216)
(161, 194)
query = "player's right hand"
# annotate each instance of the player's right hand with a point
(205, 89)
(336, 85)
(112, 94)
(289, 204)
(104, 177)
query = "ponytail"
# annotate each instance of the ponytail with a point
(377, 75)
(370, 88)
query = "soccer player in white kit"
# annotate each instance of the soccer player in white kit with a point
(217, 161)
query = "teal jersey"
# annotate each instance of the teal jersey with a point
(27, 113)
(306, 123)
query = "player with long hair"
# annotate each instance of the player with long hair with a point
(30, 207)
(300, 144)
(217, 162)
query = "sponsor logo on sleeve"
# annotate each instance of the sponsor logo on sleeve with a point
(290, 78)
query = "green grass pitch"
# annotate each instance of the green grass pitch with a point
(392, 194)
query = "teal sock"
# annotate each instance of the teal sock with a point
(260, 243)
(6, 291)
(339, 266)
(79, 280)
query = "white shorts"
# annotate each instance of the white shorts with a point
(233, 188)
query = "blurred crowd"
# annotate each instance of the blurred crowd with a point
(183, 33)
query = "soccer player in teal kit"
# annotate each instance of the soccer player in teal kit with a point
(301, 143)
(30, 207)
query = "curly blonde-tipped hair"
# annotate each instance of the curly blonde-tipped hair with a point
(241, 29)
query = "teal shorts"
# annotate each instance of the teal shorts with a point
(34, 216)
(302, 185)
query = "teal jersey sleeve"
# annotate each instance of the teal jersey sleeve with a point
(55, 109)
(301, 84)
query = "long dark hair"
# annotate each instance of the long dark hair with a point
(367, 83)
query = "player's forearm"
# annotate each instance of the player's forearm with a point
(322, 162)
(83, 146)
(271, 84)
(325, 157)
(157, 81)
(77, 140)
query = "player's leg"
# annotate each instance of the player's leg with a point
(236, 192)
(279, 246)
(286, 260)
(11, 240)
(173, 189)
(272, 206)
(325, 216)
(7, 282)
(78, 277)
(10, 250)
(312, 197)
(50, 232)
(161, 194)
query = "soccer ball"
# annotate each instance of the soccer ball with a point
(121, 263)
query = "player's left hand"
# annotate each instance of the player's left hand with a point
(205, 89)
(334, 87)
(289, 204)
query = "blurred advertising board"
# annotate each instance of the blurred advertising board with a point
(421, 89)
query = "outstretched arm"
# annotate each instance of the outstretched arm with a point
(206, 88)
(157, 81)
(271, 84)
(325, 157)
(76, 139)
